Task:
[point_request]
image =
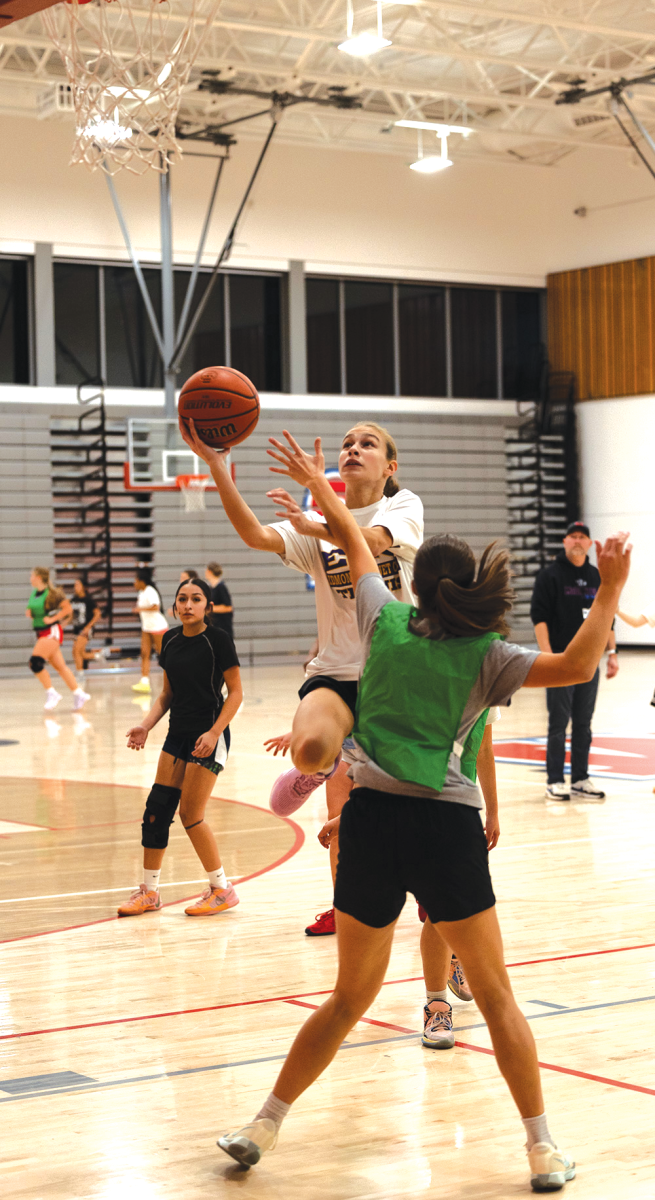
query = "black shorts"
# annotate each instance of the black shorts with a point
(390, 845)
(345, 688)
(180, 745)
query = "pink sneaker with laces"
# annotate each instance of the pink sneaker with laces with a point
(292, 788)
(139, 902)
(214, 900)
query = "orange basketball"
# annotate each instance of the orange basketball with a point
(223, 404)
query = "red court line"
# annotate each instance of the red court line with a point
(630, 1087)
(368, 1020)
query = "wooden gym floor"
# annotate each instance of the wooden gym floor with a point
(127, 1046)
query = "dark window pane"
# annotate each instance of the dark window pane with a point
(133, 359)
(323, 344)
(255, 334)
(14, 327)
(369, 339)
(207, 346)
(422, 321)
(77, 340)
(523, 351)
(473, 324)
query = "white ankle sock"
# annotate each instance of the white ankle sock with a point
(217, 879)
(151, 880)
(276, 1110)
(145, 679)
(537, 1130)
(437, 995)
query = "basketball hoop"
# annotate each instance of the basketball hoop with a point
(127, 62)
(193, 489)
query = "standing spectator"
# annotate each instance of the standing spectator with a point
(153, 623)
(563, 594)
(221, 599)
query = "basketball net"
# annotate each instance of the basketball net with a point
(193, 488)
(127, 63)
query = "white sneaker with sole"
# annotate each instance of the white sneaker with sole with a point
(586, 790)
(249, 1143)
(438, 1032)
(557, 791)
(550, 1168)
(80, 698)
(52, 698)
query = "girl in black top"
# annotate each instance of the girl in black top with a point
(196, 658)
(86, 614)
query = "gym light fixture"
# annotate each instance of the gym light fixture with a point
(437, 127)
(432, 162)
(362, 45)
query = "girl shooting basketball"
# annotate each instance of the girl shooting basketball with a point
(411, 822)
(196, 658)
(47, 608)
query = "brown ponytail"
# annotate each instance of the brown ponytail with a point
(452, 597)
(55, 595)
(391, 487)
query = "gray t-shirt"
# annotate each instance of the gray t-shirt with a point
(503, 672)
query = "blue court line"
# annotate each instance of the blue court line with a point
(560, 1012)
(549, 1004)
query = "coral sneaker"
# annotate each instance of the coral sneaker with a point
(550, 1169)
(248, 1144)
(214, 900)
(457, 980)
(323, 924)
(438, 1032)
(139, 902)
(292, 788)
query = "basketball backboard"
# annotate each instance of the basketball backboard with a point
(157, 456)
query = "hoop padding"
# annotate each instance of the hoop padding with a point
(128, 62)
(193, 489)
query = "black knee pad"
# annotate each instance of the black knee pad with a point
(37, 664)
(158, 816)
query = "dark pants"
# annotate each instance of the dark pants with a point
(576, 703)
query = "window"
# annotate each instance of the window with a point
(207, 346)
(369, 339)
(473, 334)
(255, 329)
(323, 338)
(77, 330)
(133, 359)
(523, 351)
(14, 324)
(422, 330)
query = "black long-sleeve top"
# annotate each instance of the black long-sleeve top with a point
(562, 597)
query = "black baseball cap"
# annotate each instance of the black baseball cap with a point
(578, 527)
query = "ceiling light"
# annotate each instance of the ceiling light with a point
(361, 45)
(430, 164)
(439, 128)
(104, 131)
(164, 73)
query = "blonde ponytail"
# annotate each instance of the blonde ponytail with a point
(55, 595)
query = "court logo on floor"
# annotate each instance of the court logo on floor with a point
(612, 755)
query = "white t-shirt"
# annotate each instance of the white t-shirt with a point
(339, 650)
(151, 622)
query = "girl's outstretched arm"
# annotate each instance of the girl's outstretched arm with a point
(630, 620)
(309, 471)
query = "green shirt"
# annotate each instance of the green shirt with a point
(36, 605)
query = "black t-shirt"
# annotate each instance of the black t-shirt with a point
(562, 597)
(83, 609)
(195, 668)
(220, 595)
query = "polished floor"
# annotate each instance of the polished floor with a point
(127, 1046)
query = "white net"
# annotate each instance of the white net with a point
(193, 489)
(127, 62)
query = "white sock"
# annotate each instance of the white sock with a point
(537, 1130)
(52, 691)
(217, 879)
(79, 691)
(276, 1110)
(151, 879)
(437, 995)
(145, 679)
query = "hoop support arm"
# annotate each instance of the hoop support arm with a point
(191, 286)
(145, 295)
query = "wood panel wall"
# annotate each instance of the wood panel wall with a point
(601, 326)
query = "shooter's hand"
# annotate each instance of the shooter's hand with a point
(214, 456)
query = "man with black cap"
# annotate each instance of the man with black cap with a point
(563, 594)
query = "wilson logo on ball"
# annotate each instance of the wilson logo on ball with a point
(200, 404)
(224, 389)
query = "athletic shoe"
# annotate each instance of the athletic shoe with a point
(457, 980)
(214, 900)
(292, 788)
(550, 1168)
(52, 698)
(142, 686)
(139, 902)
(80, 698)
(248, 1144)
(557, 791)
(586, 789)
(438, 1032)
(323, 924)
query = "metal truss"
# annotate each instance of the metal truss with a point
(496, 69)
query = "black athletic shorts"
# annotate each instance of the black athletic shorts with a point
(346, 688)
(180, 745)
(390, 845)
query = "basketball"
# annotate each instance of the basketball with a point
(223, 403)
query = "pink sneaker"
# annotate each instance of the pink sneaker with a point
(214, 900)
(292, 788)
(139, 902)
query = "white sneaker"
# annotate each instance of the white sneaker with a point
(550, 1168)
(80, 697)
(438, 1032)
(557, 791)
(248, 1144)
(586, 789)
(52, 698)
